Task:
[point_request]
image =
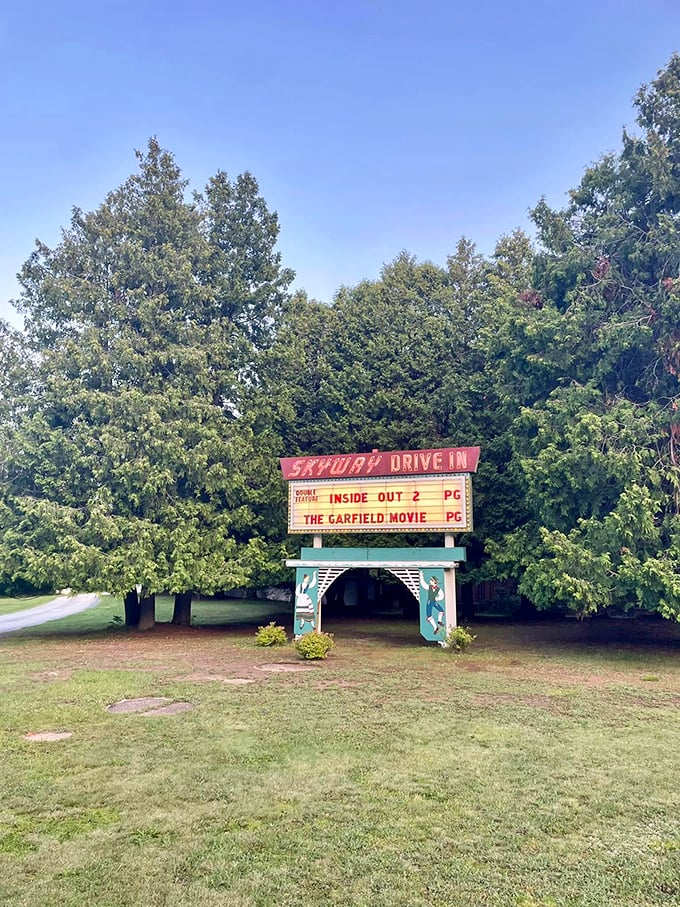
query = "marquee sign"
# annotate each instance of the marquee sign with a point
(398, 491)
(393, 463)
(418, 504)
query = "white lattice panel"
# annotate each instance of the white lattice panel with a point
(410, 577)
(327, 576)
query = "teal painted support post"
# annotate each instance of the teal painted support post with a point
(432, 605)
(307, 615)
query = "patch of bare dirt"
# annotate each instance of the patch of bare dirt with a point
(50, 676)
(286, 667)
(538, 655)
(216, 678)
(48, 736)
(337, 685)
(555, 673)
(165, 649)
(473, 667)
(548, 671)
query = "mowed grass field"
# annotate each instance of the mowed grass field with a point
(10, 605)
(542, 768)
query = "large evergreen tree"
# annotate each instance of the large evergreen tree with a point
(127, 466)
(402, 362)
(593, 363)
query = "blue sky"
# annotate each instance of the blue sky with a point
(371, 126)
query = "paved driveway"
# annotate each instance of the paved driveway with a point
(54, 610)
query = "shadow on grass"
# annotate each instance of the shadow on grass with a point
(239, 618)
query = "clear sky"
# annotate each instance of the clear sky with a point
(371, 126)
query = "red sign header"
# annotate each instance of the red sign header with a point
(392, 463)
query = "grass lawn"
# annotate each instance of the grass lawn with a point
(10, 605)
(542, 768)
(205, 613)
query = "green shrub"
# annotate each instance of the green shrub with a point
(458, 639)
(314, 644)
(271, 635)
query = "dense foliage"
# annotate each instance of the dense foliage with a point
(129, 458)
(593, 374)
(164, 367)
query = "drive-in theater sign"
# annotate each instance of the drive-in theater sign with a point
(397, 491)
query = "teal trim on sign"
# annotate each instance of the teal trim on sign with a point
(378, 555)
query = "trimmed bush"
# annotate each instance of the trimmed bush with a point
(314, 644)
(271, 635)
(459, 639)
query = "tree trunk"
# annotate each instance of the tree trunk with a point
(182, 613)
(132, 612)
(147, 611)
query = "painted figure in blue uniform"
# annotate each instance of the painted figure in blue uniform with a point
(434, 613)
(305, 611)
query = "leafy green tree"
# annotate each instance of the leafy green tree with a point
(593, 363)
(14, 379)
(127, 464)
(361, 373)
(401, 362)
(500, 308)
(249, 299)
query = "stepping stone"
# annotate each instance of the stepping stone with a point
(138, 705)
(173, 709)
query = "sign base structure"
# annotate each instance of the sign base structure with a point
(428, 573)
